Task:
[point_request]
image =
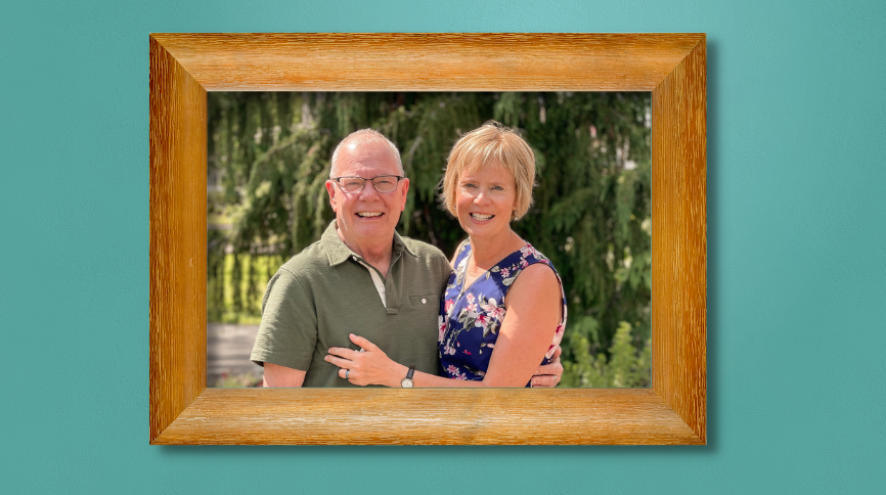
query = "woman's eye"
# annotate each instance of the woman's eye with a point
(469, 186)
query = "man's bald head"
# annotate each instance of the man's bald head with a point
(363, 136)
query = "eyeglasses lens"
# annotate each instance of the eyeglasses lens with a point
(381, 184)
(351, 184)
(384, 184)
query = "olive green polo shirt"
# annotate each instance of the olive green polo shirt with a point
(326, 292)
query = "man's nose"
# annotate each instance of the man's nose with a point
(368, 190)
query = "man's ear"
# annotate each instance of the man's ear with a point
(330, 189)
(405, 191)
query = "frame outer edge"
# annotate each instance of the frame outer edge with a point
(680, 240)
(177, 239)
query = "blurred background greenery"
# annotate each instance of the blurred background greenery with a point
(269, 159)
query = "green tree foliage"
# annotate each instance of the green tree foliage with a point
(626, 366)
(269, 153)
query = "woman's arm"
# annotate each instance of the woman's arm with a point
(533, 312)
(534, 309)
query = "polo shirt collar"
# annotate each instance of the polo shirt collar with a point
(338, 252)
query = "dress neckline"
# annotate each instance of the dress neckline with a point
(487, 273)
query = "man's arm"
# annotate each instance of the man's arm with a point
(281, 376)
(287, 334)
(549, 375)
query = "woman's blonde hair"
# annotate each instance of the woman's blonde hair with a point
(496, 145)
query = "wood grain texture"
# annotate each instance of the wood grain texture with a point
(178, 239)
(679, 240)
(184, 66)
(429, 62)
(428, 417)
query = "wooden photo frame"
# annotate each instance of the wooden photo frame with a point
(183, 67)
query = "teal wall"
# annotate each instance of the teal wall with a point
(797, 277)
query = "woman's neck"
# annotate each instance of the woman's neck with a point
(486, 252)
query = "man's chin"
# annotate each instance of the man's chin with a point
(372, 229)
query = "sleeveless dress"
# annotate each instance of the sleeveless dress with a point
(470, 317)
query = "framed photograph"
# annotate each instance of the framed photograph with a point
(183, 67)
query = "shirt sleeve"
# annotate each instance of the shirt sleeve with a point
(288, 331)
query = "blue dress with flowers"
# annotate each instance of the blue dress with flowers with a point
(471, 317)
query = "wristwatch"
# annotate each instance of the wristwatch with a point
(407, 382)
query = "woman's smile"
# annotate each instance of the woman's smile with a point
(481, 218)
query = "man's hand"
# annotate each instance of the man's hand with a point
(549, 375)
(281, 376)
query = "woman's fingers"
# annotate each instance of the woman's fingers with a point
(341, 363)
(343, 352)
(354, 377)
(369, 367)
(365, 344)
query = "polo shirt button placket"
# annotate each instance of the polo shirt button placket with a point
(390, 290)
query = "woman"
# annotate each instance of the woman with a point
(503, 295)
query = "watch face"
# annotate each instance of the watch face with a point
(406, 383)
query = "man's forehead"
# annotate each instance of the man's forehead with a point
(368, 154)
(367, 145)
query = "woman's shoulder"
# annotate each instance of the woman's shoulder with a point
(533, 255)
(525, 257)
(540, 276)
(532, 265)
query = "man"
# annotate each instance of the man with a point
(360, 278)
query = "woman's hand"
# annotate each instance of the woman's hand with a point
(368, 366)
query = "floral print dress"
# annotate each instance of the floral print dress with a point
(470, 317)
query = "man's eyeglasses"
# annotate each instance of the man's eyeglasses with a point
(382, 183)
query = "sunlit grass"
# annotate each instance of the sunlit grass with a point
(266, 266)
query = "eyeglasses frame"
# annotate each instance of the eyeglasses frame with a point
(364, 179)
